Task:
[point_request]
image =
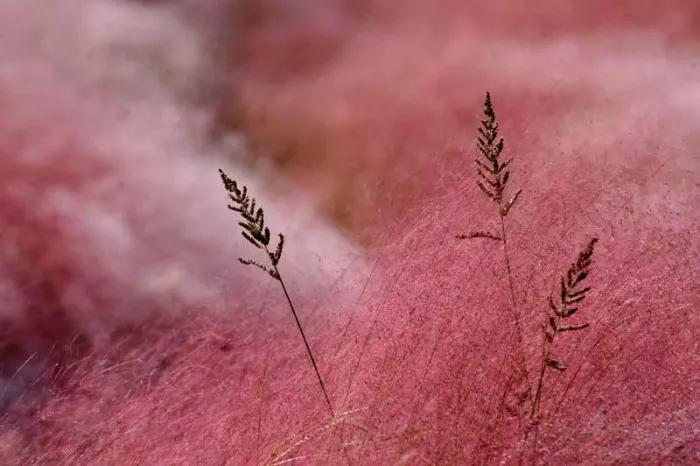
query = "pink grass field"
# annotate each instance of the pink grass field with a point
(131, 334)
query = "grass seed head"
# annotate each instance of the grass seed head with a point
(492, 172)
(253, 225)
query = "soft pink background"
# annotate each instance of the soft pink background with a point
(130, 333)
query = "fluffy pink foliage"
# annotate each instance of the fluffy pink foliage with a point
(364, 145)
(599, 107)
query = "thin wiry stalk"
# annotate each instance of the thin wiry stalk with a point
(492, 179)
(306, 342)
(14, 374)
(256, 233)
(570, 295)
(506, 255)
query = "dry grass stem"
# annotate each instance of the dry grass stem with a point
(492, 179)
(257, 234)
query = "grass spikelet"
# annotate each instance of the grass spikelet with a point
(480, 234)
(256, 233)
(571, 296)
(492, 172)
